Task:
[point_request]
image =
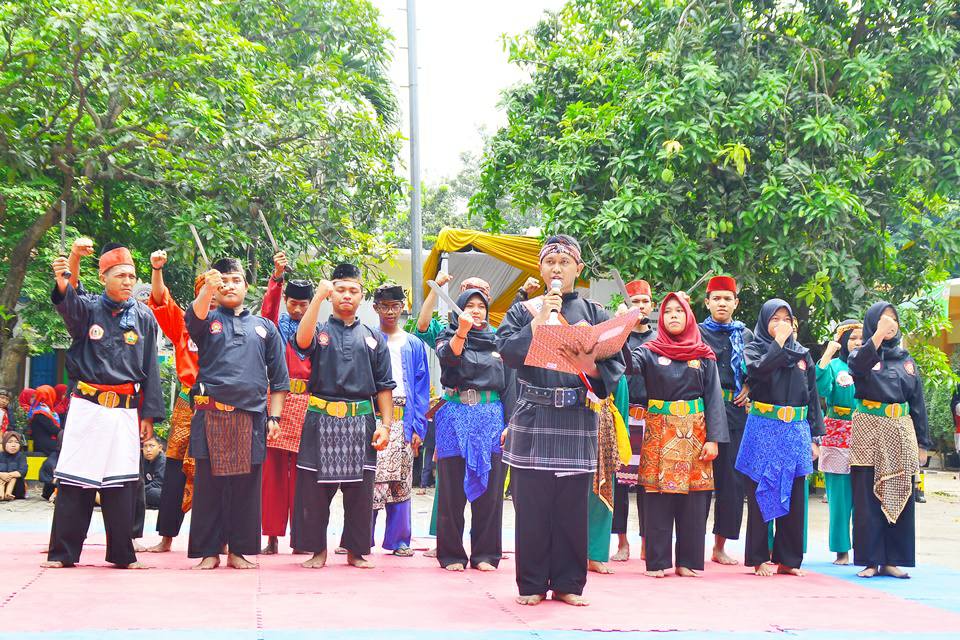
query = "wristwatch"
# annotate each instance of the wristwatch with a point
(273, 419)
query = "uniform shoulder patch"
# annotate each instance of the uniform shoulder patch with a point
(95, 332)
(323, 338)
(802, 365)
(371, 342)
(216, 327)
(910, 368)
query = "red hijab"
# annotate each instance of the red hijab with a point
(689, 345)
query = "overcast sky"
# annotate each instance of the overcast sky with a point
(463, 69)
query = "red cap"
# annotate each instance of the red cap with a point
(638, 288)
(722, 283)
(114, 257)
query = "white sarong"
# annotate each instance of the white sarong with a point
(101, 446)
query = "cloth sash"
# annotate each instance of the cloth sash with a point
(291, 421)
(101, 447)
(229, 441)
(889, 445)
(336, 448)
(835, 446)
(670, 460)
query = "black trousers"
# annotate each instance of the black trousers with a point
(876, 542)
(686, 511)
(139, 507)
(226, 509)
(729, 487)
(71, 520)
(170, 513)
(621, 507)
(486, 515)
(787, 534)
(311, 513)
(551, 531)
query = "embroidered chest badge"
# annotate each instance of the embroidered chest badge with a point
(802, 364)
(910, 368)
(844, 379)
(131, 337)
(323, 338)
(877, 366)
(664, 360)
(371, 342)
(216, 327)
(96, 332)
(693, 364)
(495, 355)
(262, 332)
(192, 346)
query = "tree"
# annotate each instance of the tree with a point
(144, 116)
(811, 148)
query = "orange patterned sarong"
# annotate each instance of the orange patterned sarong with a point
(670, 458)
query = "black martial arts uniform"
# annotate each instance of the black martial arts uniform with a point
(153, 475)
(638, 398)
(686, 507)
(729, 483)
(888, 375)
(241, 360)
(479, 369)
(348, 364)
(103, 352)
(552, 448)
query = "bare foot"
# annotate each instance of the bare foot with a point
(166, 542)
(598, 567)
(430, 554)
(622, 554)
(138, 548)
(530, 601)
(843, 559)
(359, 562)
(298, 552)
(317, 561)
(765, 569)
(456, 566)
(869, 572)
(485, 566)
(720, 557)
(684, 572)
(237, 561)
(784, 570)
(655, 574)
(894, 572)
(210, 562)
(421, 492)
(271, 548)
(132, 565)
(571, 598)
(54, 564)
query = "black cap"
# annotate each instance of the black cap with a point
(110, 246)
(346, 271)
(299, 290)
(389, 291)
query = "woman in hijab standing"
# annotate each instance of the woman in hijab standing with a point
(888, 445)
(835, 385)
(776, 451)
(685, 421)
(469, 426)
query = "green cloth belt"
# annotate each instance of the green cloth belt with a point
(728, 395)
(340, 408)
(483, 397)
(778, 412)
(675, 407)
(884, 409)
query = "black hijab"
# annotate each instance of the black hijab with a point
(762, 336)
(482, 339)
(889, 348)
(843, 336)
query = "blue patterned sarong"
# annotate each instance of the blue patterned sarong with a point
(472, 433)
(773, 454)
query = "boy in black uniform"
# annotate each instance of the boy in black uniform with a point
(241, 361)
(350, 364)
(117, 398)
(728, 338)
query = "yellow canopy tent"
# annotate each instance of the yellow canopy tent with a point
(511, 258)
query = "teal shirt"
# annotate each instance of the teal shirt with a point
(832, 393)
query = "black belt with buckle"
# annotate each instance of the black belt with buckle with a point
(557, 397)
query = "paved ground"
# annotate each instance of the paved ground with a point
(413, 598)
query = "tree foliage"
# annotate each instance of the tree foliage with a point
(144, 116)
(812, 148)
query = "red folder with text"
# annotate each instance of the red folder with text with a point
(606, 339)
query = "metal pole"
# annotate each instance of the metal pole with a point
(416, 234)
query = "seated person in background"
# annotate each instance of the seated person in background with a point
(13, 467)
(154, 463)
(49, 492)
(43, 422)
